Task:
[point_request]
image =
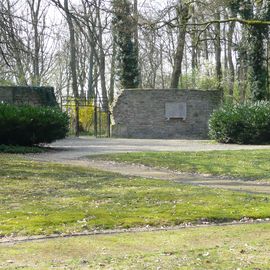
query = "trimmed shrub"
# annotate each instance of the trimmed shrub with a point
(247, 123)
(19, 149)
(26, 125)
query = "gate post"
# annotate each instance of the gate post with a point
(95, 120)
(108, 123)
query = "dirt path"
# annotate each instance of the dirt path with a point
(74, 151)
(183, 178)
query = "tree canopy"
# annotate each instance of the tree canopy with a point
(128, 44)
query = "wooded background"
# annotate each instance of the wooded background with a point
(96, 47)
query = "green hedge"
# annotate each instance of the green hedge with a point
(26, 125)
(247, 123)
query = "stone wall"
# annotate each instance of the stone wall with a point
(163, 113)
(36, 96)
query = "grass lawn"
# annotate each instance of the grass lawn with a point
(249, 164)
(45, 198)
(230, 247)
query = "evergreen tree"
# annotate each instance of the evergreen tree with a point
(254, 43)
(127, 57)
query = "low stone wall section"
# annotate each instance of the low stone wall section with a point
(22, 95)
(163, 113)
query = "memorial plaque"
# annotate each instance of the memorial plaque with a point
(176, 110)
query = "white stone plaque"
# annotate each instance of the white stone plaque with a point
(176, 110)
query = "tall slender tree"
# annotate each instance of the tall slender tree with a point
(182, 10)
(73, 64)
(127, 55)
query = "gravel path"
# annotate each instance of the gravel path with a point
(183, 178)
(73, 148)
(74, 151)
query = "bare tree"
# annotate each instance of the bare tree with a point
(230, 57)
(218, 49)
(182, 10)
(73, 64)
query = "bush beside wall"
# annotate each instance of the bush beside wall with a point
(26, 125)
(247, 123)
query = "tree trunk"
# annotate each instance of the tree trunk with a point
(90, 88)
(230, 58)
(35, 19)
(112, 75)
(102, 66)
(136, 41)
(242, 80)
(225, 52)
(127, 56)
(193, 48)
(73, 65)
(162, 67)
(218, 50)
(20, 76)
(183, 13)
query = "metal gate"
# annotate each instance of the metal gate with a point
(94, 115)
